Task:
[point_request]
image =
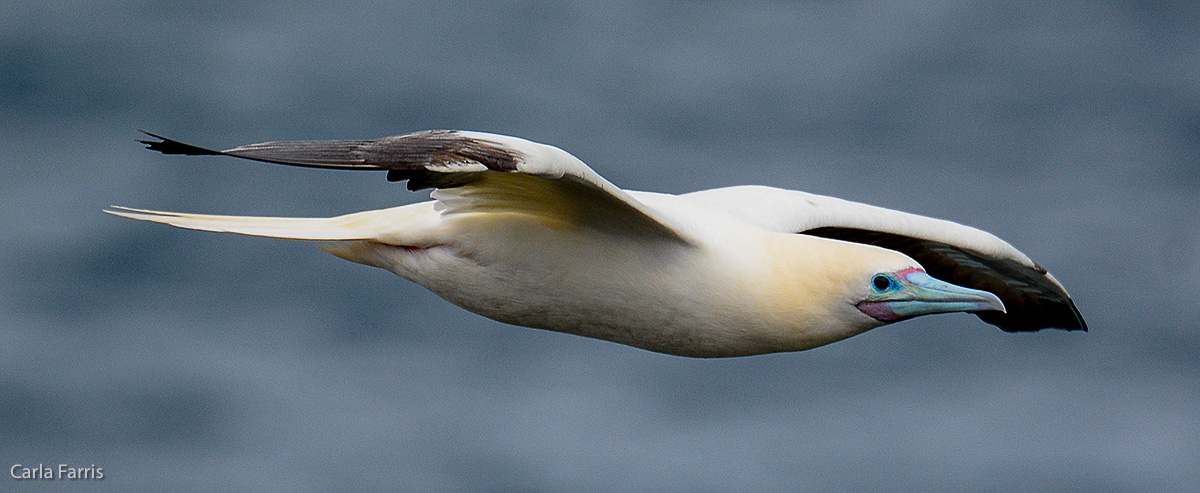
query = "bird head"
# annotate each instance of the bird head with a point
(827, 290)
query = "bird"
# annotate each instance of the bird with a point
(527, 234)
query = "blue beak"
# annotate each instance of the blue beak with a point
(919, 294)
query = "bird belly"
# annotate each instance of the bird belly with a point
(576, 281)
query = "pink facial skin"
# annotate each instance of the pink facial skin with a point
(878, 311)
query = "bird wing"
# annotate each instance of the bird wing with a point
(471, 172)
(958, 254)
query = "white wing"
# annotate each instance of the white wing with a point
(790, 211)
(949, 251)
(471, 172)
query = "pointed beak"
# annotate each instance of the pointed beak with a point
(922, 294)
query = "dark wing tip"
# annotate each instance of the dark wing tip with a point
(171, 146)
(1078, 324)
(1053, 312)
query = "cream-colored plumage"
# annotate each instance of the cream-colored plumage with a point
(527, 234)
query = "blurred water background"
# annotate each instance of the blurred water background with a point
(179, 360)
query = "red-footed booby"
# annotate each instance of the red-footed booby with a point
(527, 234)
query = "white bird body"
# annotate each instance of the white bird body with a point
(541, 240)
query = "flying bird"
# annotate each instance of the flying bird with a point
(527, 234)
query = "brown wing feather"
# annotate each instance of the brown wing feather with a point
(404, 157)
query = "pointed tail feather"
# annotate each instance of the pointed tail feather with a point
(294, 228)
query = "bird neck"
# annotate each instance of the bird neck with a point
(806, 289)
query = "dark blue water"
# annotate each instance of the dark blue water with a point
(180, 360)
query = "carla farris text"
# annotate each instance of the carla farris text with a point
(63, 471)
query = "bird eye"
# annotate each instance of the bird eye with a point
(881, 282)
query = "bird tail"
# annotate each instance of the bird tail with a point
(361, 226)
